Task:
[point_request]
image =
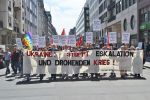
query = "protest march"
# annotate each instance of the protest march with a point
(68, 57)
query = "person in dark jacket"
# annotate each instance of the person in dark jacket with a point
(15, 58)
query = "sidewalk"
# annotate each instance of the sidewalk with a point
(147, 63)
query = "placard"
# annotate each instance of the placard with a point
(35, 39)
(126, 38)
(96, 25)
(112, 37)
(42, 42)
(19, 43)
(63, 40)
(140, 44)
(89, 37)
(72, 40)
(55, 39)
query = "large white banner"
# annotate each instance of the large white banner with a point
(89, 37)
(63, 40)
(35, 40)
(42, 42)
(112, 37)
(96, 25)
(92, 61)
(72, 40)
(126, 38)
(55, 39)
(19, 43)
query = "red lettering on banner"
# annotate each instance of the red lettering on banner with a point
(78, 54)
(39, 53)
(101, 62)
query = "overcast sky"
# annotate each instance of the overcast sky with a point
(64, 13)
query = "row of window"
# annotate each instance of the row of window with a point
(102, 7)
(127, 3)
(132, 23)
(9, 5)
(103, 17)
(145, 14)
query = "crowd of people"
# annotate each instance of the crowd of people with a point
(15, 60)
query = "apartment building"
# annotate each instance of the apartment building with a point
(72, 31)
(41, 17)
(144, 21)
(6, 21)
(83, 22)
(31, 16)
(115, 16)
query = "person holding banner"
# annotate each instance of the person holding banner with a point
(64, 69)
(53, 68)
(137, 64)
(41, 67)
(27, 67)
(123, 65)
(76, 69)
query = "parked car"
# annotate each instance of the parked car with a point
(2, 63)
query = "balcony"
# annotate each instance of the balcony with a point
(111, 18)
(16, 29)
(111, 5)
(1, 24)
(17, 5)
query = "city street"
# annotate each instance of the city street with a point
(129, 89)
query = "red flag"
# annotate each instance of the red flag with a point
(80, 40)
(51, 40)
(63, 32)
(108, 40)
(78, 43)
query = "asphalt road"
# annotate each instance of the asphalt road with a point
(129, 89)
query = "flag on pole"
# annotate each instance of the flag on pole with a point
(81, 40)
(27, 40)
(108, 40)
(63, 32)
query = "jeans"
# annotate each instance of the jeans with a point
(7, 62)
(15, 66)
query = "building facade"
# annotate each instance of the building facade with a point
(50, 26)
(83, 22)
(31, 16)
(144, 21)
(72, 31)
(115, 16)
(6, 21)
(41, 18)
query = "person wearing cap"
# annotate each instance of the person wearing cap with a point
(7, 58)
